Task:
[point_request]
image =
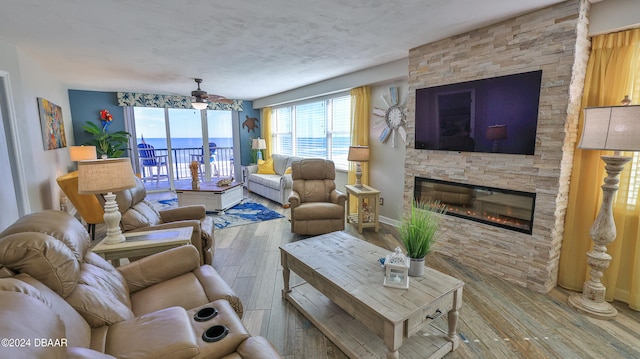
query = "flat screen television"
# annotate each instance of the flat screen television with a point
(498, 114)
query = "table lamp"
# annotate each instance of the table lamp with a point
(259, 144)
(496, 133)
(358, 154)
(106, 176)
(81, 153)
(605, 128)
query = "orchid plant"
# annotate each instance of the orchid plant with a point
(107, 144)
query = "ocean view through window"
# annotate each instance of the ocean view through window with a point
(181, 136)
(318, 128)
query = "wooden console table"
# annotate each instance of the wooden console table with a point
(344, 282)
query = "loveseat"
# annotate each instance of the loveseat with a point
(60, 300)
(270, 180)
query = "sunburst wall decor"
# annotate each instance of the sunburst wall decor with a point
(393, 116)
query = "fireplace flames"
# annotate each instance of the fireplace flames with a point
(490, 217)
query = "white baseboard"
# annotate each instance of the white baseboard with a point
(389, 221)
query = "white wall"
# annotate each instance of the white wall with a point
(39, 167)
(613, 15)
(44, 192)
(386, 167)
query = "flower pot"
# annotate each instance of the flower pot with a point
(195, 184)
(416, 267)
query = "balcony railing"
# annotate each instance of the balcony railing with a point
(221, 163)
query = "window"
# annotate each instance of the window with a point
(316, 128)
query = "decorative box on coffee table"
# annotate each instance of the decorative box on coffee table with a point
(214, 198)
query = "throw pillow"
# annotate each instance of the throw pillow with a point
(287, 171)
(266, 167)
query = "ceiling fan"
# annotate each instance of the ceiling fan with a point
(201, 98)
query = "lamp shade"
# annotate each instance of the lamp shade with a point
(259, 144)
(358, 154)
(497, 132)
(81, 153)
(105, 175)
(614, 128)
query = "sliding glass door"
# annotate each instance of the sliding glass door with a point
(168, 141)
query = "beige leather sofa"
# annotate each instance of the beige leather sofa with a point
(316, 206)
(275, 187)
(60, 300)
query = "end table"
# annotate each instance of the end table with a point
(144, 243)
(372, 197)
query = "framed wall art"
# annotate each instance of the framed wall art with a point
(52, 125)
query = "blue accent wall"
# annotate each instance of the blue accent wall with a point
(246, 136)
(86, 106)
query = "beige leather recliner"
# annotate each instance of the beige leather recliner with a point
(55, 289)
(138, 214)
(316, 206)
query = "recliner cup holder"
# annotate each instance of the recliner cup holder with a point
(205, 314)
(215, 333)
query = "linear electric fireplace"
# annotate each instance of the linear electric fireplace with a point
(494, 206)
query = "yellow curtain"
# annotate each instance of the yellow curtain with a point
(265, 130)
(613, 71)
(360, 109)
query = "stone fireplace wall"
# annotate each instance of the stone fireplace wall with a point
(555, 40)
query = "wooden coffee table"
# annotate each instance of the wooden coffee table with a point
(141, 244)
(213, 197)
(344, 297)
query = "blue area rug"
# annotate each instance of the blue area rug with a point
(243, 213)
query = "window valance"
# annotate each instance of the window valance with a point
(170, 101)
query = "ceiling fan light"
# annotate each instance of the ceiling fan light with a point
(198, 104)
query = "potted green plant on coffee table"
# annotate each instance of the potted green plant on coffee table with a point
(418, 232)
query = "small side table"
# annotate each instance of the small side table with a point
(372, 196)
(141, 244)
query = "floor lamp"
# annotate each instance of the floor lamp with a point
(106, 176)
(605, 128)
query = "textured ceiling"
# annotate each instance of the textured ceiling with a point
(243, 49)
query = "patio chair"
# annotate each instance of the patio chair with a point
(149, 160)
(213, 160)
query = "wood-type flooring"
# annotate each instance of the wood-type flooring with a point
(497, 319)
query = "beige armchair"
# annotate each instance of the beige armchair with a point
(316, 206)
(138, 214)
